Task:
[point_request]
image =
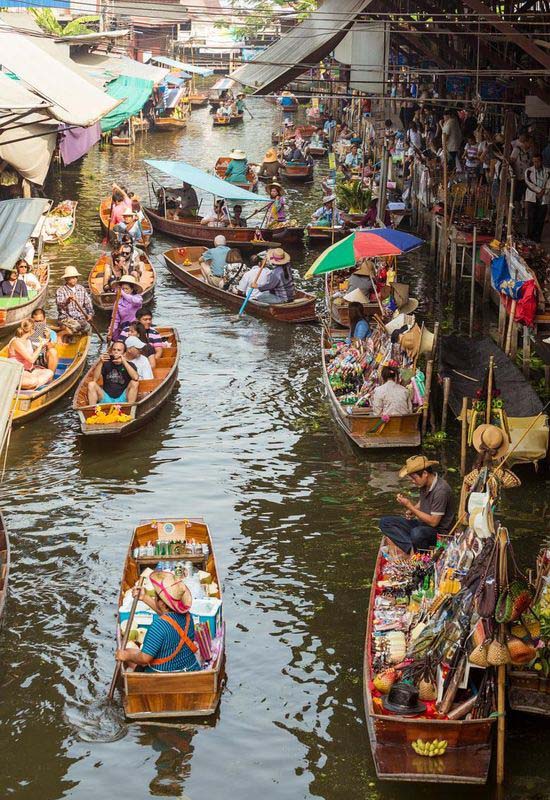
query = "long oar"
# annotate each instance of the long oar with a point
(108, 234)
(77, 304)
(113, 316)
(249, 292)
(124, 642)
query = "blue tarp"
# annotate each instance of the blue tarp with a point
(171, 62)
(18, 219)
(202, 180)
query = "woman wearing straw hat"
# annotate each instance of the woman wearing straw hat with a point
(128, 304)
(74, 305)
(280, 286)
(358, 326)
(277, 211)
(270, 164)
(168, 645)
(237, 168)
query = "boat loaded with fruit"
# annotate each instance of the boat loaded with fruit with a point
(440, 632)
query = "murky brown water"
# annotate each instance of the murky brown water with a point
(248, 442)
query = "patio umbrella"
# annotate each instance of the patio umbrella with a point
(372, 243)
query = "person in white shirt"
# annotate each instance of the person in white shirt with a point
(249, 278)
(450, 128)
(28, 253)
(391, 399)
(537, 197)
(30, 280)
(134, 346)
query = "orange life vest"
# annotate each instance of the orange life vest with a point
(184, 639)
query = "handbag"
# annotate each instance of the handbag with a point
(487, 592)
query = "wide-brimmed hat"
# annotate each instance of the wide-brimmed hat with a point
(492, 440)
(409, 341)
(329, 198)
(172, 591)
(128, 279)
(238, 155)
(275, 185)
(416, 464)
(128, 212)
(133, 341)
(426, 341)
(271, 156)
(400, 321)
(403, 699)
(357, 296)
(71, 272)
(367, 268)
(405, 304)
(278, 256)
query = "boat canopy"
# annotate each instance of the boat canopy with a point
(176, 80)
(172, 97)
(204, 72)
(202, 180)
(18, 222)
(222, 84)
(133, 92)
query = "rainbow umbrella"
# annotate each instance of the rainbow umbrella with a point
(372, 243)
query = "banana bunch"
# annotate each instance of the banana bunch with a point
(431, 749)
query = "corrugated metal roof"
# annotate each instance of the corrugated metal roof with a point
(301, 48)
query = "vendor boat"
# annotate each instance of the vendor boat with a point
(317, 150)
(60, 222)
(122, 141)
(339, 308)
(295, 171)
(198, 99)
(15, 309)
(183, 264)
(146, 227)
(224, 121)
(140, 124)
(124, 418)
(160, 695)
(325, 235)
(105, 301)
(4, 567)
(30, 403)
(170, 123)
(221, 168)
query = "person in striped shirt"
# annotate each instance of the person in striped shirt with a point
(168, 645)
(153, 337)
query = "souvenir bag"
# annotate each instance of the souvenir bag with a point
(515, 597)
(487, 591)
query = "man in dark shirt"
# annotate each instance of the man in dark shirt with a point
(119, 378)
(433, 514)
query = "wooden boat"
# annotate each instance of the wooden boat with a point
(224, 121)
(339, 308)
(468, 755)
(171, 123)
(189, 229)
(152, 394)
(50, 235)
(15, 309)
(4, 567)
(296, 172)
(221, 168)
(183, 264)
(104, 301)
(198, 99)
(317, 150)
(146, 227)
(291, 108)
(30, 403)
(325, 235)
(122, 141)
(364, 428)
(148, 695)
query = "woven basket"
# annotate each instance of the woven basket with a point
(497, 654)
(478, 656)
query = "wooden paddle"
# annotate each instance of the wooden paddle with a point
(77, 304)
(124, 642)
(105, 241)
(253, 286)
(113, 316)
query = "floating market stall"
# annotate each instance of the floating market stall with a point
(60, 222)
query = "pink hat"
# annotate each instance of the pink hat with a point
(172, 591)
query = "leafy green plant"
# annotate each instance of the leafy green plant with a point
(353, 196)
(76, 27)
(261, 14)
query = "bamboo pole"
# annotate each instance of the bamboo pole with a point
(445, 210)
(508, 129)
(426, 406)
(509, 235)
(463, 436)
(473, 283)
(526, 351)
(511, 317)
(446, 394)
(501, 679)
(490, 390)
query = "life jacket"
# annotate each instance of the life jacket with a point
(184, 639)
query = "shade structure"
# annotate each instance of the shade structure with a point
(171, 62)
(202, 180)
(18, 221)
(371, 243)
(133, 92)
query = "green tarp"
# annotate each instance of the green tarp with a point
(133, 92)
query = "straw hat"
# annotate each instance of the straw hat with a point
(399, 322)
(416, 464)
(405, 304)
(329, 198)
(367, 268)
(357, 296)
(171, 591)
(238, 155)
(492, 440)
(410, 341)
(275, 185)
(130, 280)
(71, 272)
(277, 256)
(271, 156)
(128, 212)
(286, 93)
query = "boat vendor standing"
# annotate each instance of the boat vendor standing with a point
(168, 645)
(433, 514)
(277, 211)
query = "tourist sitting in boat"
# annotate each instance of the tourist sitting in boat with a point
(327, 215)
(370, 216)
(277, 212)
(391, 399)
(135, 352)
(114, 271)
(129, 303)
(130, 226)
(74, 305)
(236, 170)
(218, 217)
(120, 378)
(359, 328)
(143, 328)
(186, 199)
(270, 164)
(29, 278)
(12, 285)
(42, 334)
(212, 262)
(353, 159)
(225, 109)
(237, 220)
(119, 202)
(252, 279)
(137, 330)
(168, 645)
(433, 514)
(132, 256)
(279, 288)
(233, 270)
(21, 350)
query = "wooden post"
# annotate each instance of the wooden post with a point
(433, 235)
(501, 200)
(463, 436)
(452, 256)
(501, 322)
(473, 283)
(425, 408)
(488, 412)
(511, 323)
(446, 393)
(487, 283)
(501, 678)
(526, 348)
(445, 210)
(509, 236)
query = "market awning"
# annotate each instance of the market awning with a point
(223, 84)
(15, 98)
(176, 80)
(204, 72)
(133, 92)
(202, 180)
(114, 66)
(172, 97)
(302, 47)
(73, 99)
(18, 219)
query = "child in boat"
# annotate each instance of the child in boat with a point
(128, 303)
(49, 357)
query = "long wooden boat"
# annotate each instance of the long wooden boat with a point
(152, 394)
(30, 403)
(325, 235)
(224, 121)
(183, 264)
(317, 150)
(528, 691)
(4, 567)
(296, 172)
(159, 695)
(50, 236)
(220, 169)
(146, 226)
(15, 309)
(468, 755)
(364, 428)
(104, 301)
(170, 123)
(198, 99)
(189, 229)
(290, 108)
(339, 311)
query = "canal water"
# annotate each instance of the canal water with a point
(248, 442)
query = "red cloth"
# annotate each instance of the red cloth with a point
(526, 306)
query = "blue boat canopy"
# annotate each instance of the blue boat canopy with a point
(202, 180)
(204, 72)
(18, 220)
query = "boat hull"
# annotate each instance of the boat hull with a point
(105, 301)
(188, 275)
(225, 122)
(11, 317)
(146, 226)
(324, 235)
(528, 692)
(4, 567)
(170, 123)
(50, 239)
(296, 173)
